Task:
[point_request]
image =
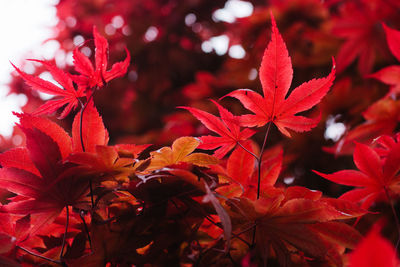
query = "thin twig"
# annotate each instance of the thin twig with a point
(81, 118)
(248, 151)
(91, 192)
(396, 218)
(65, 234)
(86, 230)
(39, 256)
(83, 108)
(260, 159)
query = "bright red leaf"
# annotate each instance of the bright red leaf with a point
(276, 74)
(241, 168)
(44, 182)
(91, 76)
(49, 127)
(93, 130)
(374, 250)
(227, 127)
(45, 193)
(393, 40)
(377, 178)
(66, 96)
(391, 75)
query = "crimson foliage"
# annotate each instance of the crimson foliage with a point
(237, 189)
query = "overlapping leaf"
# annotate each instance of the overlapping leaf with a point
(46, 185)
(241, 168)
(92, 131)
(291, 226)
(106, 162)
(227, 127)
(39, 174)
(377, 179)
(68, 96)
(180, 151)
(374, 250)
(391, 75)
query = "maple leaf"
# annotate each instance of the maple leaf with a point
(358, 24)
(385, 143)
(67, 95)
(106, 161)
(93, 131)
(374, 250)
(180, 151)
(227, 127)
(13, 232)
(276, 76)
(377, 179)
(391, 75)
(91, 76)
(241, 169)
(290, 225)
(37, 174)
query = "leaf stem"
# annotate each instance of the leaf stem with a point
(86, 229)
(65, 233)
(84, 106)
(81, 118)
(39, 256)
(248, 151)
(396, 218)
(259, 161)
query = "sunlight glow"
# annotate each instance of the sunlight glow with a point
(232, 10)
(26, 24)
(334, 130)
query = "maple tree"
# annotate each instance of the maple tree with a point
(138, 171)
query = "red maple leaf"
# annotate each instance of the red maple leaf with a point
(359, 25)
(40, 174)
(374, 250)
(67, 95)
(44, 183)
(241, 169)
(12, 231)
(377, 179)
(93, 131)
(276, 76)
(391, 75)
(302, 223)
(227, 127)
(91, 76)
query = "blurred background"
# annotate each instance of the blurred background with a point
(26, 25)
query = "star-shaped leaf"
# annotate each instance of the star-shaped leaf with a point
(91, 76)
(66, 96)
(375, 179)
(276, 74)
